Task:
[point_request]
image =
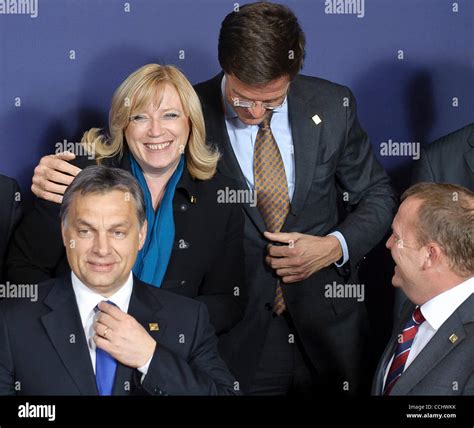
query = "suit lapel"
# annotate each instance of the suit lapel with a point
(64, 328)
(436, 349)
(469, 154)
(139, 308)
(216, 131)
(390, 348)
(306, 135)
(123, 382)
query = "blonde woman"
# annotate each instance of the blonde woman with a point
(194, 244)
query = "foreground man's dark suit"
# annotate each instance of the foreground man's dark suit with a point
(332, 157)
(443, 367)
(43, 349)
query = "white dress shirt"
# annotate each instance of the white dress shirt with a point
(242, 139)
(88, 299)
(436, 311)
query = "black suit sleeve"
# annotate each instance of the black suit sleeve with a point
(37, 248)
(17, 209)
(7, 382)
(37, 252)
(223, 289)
(202, 372)
(422, 170)
(371, 197)
(12, 212)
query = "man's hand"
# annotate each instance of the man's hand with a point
(122, 336)
(303, 256)
(52, 176)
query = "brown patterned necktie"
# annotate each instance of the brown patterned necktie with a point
(272, 189)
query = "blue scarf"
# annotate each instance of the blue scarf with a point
(152, 260)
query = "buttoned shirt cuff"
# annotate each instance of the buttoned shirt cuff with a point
(345, 249)
(144, 369)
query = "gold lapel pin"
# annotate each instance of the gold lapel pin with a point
(453, 338)
(153, 326)
(193, 199)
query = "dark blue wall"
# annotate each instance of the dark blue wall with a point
(402, 100)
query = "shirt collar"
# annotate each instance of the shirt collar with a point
(229, 109)
(437, 310)
(88, 299)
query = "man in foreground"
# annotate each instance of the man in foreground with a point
(100, 330)
(432, 349)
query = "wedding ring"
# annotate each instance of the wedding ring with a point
(105, 331)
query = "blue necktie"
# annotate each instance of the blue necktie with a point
(105, 366)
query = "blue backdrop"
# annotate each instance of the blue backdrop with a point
(408, 62)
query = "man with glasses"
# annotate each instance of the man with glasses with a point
(323, 202)
(295, 141)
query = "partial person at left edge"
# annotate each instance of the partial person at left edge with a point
(99, 330)
(10, 215)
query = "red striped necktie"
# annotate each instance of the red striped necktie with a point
(405, 340)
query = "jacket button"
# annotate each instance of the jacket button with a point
(183, 207)
(268, 306)
(183, 282)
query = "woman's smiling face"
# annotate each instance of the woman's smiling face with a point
(158, 134)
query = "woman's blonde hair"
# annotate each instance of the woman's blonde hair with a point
(135, 93)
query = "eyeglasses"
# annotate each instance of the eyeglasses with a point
(252, 104)
(248, 104)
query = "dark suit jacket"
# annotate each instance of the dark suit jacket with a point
(10, 215)
(450, 159)
(442, 367)
(206, 261)
(43, 349)
(332, 157)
